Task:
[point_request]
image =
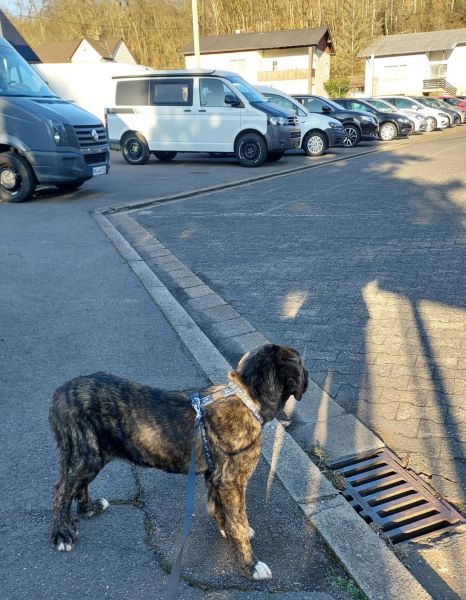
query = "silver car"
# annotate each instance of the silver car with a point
(419, 121)
(436, 119)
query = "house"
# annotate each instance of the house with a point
(12, 35)
(417, 63)
(296, 61)
(86, 50)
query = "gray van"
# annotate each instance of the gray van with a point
(44, 140)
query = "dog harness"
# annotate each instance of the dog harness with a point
(198, 403)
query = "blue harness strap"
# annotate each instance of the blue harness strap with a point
(198, 404)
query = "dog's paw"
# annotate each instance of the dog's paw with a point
(261, 571)
(64, 538)
(95, 507)
(222, 533)
(251, 533)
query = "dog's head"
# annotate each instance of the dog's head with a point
(272, 374)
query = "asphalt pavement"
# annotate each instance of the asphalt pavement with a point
(70, 306)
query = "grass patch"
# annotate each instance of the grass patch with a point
(350, 587)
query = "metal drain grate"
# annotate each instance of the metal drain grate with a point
(400, 505)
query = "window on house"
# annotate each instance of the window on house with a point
(274, 65)
(438, 71)
(395, 72)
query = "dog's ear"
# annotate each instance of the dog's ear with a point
(233, 376)
(295, 387)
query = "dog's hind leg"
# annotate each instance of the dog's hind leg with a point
(64, 532)
(87, 507)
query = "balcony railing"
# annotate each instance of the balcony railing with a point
(440, 84)
(285, 74)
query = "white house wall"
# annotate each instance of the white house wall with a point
(414, 68)
(456, 72)
(246, 64)
(85, 53)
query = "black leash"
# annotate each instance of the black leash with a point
(171, 590)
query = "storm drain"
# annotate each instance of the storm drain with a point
(399, 504)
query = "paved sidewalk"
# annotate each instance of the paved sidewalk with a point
(70, 306)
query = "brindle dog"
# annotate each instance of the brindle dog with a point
(98, 418)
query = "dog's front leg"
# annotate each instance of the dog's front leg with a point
(237, 530)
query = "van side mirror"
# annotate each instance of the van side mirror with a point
(232, 99)
(326, 110)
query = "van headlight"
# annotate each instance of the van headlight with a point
(272, 120)
(59, 133)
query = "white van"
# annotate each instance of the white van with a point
(166, 112)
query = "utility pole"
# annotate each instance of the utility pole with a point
(197, 53)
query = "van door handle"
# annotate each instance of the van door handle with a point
(187, 110)
(202, 110)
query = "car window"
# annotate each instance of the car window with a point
(171, 92)
(132, 93)
(284, 102)
(212, 92)
(313, 104)
(381, 106)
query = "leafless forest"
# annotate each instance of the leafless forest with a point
(155, 30)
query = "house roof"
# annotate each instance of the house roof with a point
(414, 43)
(61, 52)
(12, 35)
(237, 42)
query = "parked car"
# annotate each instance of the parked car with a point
(166, 112)
(455, 101)
(318, 132)
(419, 121)
(390, 124)
(43, 139)
(455, 115)
(357, 126)
(436, 119)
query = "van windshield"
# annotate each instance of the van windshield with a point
(246, 89)
(17, 78)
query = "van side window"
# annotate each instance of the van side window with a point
(171, 92)
(132, 93)
(212, 92)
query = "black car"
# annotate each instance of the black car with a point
(358, 126)
(390, 123)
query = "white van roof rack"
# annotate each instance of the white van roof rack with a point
(170, 73)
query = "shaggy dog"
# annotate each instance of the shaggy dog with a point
(101, 417)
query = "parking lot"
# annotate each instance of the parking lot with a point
(355, 258)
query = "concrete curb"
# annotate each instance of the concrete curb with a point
(368, 560)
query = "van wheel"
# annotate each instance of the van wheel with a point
(135, 149)
(164, 156)
(274, 156)
(314, 143)
(251, 150)
(17, 180)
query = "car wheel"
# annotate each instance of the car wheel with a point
(274, 156)
(251, 150)
(352, 136)
(431, 124)
(70, 187)
(388, 132)
(165, 156)
(314, 143)
(17, 180)
(135, 149)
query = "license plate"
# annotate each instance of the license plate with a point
(99, 170)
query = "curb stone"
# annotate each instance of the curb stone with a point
(368, 560)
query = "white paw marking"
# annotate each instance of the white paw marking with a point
(261, 571)
(105, 503)
(252, 533)
(61, 547)
(222, 533)
(68, 547)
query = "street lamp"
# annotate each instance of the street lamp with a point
(197, 54)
